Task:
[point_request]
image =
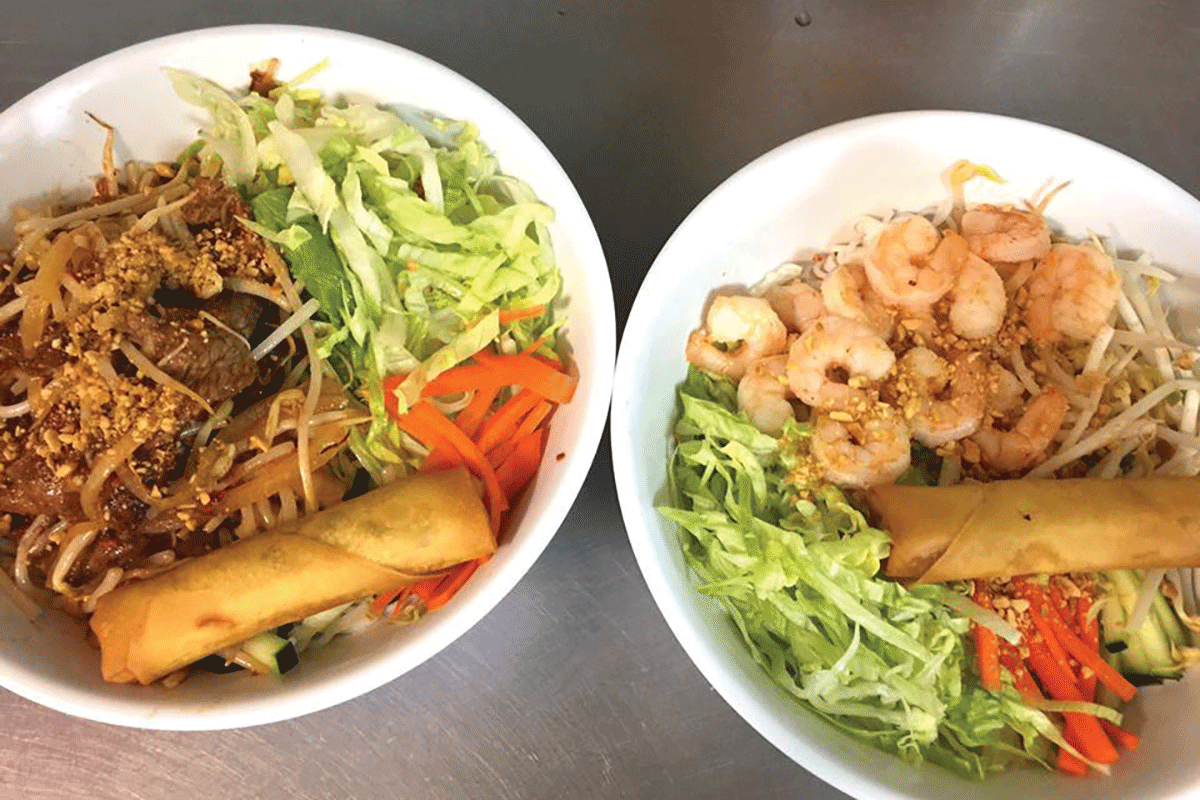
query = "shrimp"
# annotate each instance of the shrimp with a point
(747, 322)
(978, 300)
(863, 452)
(847, 293)
(1071, 293)
(832, 343)
(796, 303)
(763, 394)
(996, 233)
(1004, 391)
(944, 400)
(1025, 445)
(910, 265)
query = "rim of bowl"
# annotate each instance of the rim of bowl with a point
(689, 631)
(436, 634)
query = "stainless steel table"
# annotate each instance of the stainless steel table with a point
(574, 687)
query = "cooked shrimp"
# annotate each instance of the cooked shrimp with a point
(1003, 233)
(763, 394)
(1025, 445)
(864, 452)
(1004, 391)
(797, 304)
(750, 328)
(834, 343)
(978, 300)
(1071, 293)
(910, 265)
(944, 401)
(847, 293)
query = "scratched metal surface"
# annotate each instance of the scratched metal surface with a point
(574, 687)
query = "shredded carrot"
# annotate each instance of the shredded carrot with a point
(533, 374)
(516, 471)
(397, 611)
(532, 421)
(534, 347)
(439, 459)
(450, 584)
(463, 378)
(424, 589)
(471, 417)
(1070, 765)
(1119, 735)
(1091, 635)
(502, 424)
(509, 315)
(1088, 737)
(987, 648)
(430, 420)
(1093, 660)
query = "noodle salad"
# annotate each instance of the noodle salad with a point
(314, 300)
(846, 421)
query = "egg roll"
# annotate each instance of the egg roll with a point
(1035, 527)
(407, 530)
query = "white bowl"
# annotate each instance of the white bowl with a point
(795, 198)
(47, 143)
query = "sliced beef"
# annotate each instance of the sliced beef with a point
(207, 359)
(239, 312)
(12, 357)
(29, 487)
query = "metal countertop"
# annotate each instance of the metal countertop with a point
(573, 686)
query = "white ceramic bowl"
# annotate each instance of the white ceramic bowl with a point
(795, 198)
(47, 143)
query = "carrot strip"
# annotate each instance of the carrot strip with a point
(1092, 659)
(396, 612)
(471, 417)
(508, 315)
(1090, 737)
(472, 456)
(502, 424)
(424, 589)
(1119, 735)
(1052, 645)
(533, 374)
(463, 378)
(534, 347)
(515, 473)
(987, 648)
(450, 585)
(528, 425)
(438, 460)
(391, 403)
(1070, 765)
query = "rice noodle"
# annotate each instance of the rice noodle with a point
(105, 465)
(286, 329)
(287, 506)
(246, 526)
(215, 419)
(139, 360)
(130, 480)
(112, 577)
(245, 286)
(25, 550)
(315, 375)
(78, 537)
(161, 558)
(273, 454)
(265, 515)
(11, 309)
(14, 410)
(1023, 373)
(43, 290)
(171, 190)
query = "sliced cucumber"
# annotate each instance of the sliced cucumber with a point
(277, 654)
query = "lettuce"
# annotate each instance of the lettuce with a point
(796, 568)
(398, 222)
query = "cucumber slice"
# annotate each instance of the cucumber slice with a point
(278, 654)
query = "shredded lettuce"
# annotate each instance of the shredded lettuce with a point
(399, 223)
(796, 568)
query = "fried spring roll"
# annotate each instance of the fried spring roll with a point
(407, 530)
(1026, 527)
